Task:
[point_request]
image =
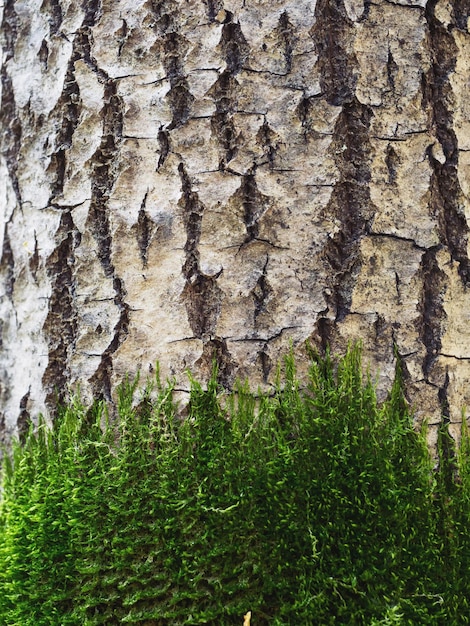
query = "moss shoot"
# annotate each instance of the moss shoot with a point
(312, 506)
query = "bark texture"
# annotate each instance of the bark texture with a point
(184, 178)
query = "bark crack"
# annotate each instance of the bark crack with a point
(60, 326)
(333, 34)
(10, 125)
(349, 205)
(224, 93)
(202, 296)
(144, 228)
(286, 33)
(446, 193)
(431, 309)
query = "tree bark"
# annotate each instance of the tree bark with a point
(189, 178)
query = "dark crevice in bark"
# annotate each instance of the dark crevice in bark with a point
(302, 111)
(103, 175)
(192, 218)
(392, 161)
(261, 293)
(235, 50)
(392, 70)
(172, 48)
(179, 97)
(350, 204)
(101, 380)
(67, 112)
(201, 295)
(163, 14)
(234, 47)
(265, 362)
(443, 397)
(92, 11)
(54, 14)
(23, 423)
(164, 143)
(122, 34)
(267, 138)
(3, 429)
(324, 334)
(366, 11)
(334, 34)
(11, 131)
(43, 54)
(180, 100)
(9, 31)
(216, 350)
(224, 93)
(7, 264)
(213, 8)
(432, 309)
(60, 327)
(144, 232)
(34, 259)
(286, 34)
(446, 193)
(461, 11)
(254, 205)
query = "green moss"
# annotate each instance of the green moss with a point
(312, 506)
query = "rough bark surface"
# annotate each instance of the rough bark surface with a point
(187, 178)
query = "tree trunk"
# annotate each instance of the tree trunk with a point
(189, 178)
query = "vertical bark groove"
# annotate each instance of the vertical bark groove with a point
(333, 35)
(201, 294)
(224, 94)
(432, 310)
(60, 326)
(11, 128)
(350, 203)
(446, 193)
(66, 112)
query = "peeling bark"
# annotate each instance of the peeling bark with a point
(205, 180)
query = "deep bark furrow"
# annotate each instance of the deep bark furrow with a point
(53, 10)
(103, 177)
(11, 131)
(254, 205)
(432, 309)
(333, 35)
(144, 232)
(66, 112)
(261, 294)
(286, 33)
(60, 327)
(92, 10)
(201, 295)
(9, 30)
(215, 350)
(446, 193)
(350, 203)
(7, 264)
(213, 8)
(234, 47)
(224, 94)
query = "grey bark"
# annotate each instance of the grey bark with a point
(184, 179)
